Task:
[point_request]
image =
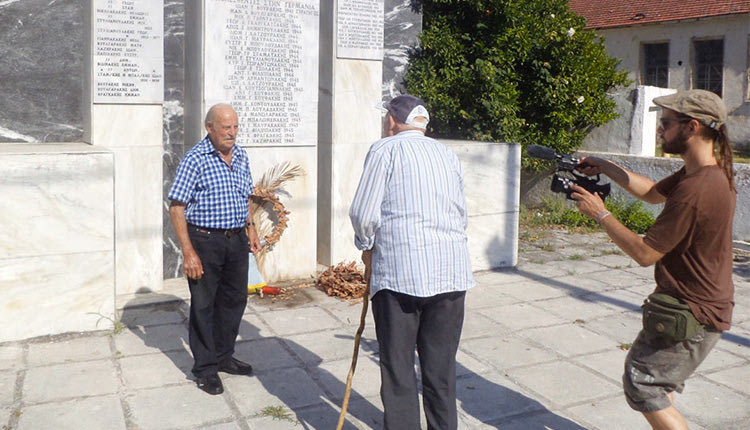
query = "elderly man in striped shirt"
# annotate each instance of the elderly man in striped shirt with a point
(409, 218)
(209, 209)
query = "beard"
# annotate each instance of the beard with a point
(677, 145)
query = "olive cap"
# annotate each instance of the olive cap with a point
(702, 105)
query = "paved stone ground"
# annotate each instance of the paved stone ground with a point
(542, 348)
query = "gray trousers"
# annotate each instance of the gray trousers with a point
(432, 325)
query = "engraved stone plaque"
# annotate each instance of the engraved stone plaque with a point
(261, 56)
(359, 29)
(128, 50)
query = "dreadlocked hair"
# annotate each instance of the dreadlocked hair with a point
(722, 150)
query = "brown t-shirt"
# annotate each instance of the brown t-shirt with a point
(694, 231)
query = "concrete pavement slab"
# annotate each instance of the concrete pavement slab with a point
(722, 359)
(8, 382)
(365, 382)
(611, 413)
(318, 417)
(497, 277)
(490, 397)
(291, 387)
(616, 260)
(69, 350)
(365, 413)
(265, 354)
(488, 296)
(253, 327)
(11, 357)
(141, 340)
(641, 272)
(7, 415)
(300, 320)
(335, 344)
(620, 299)
(737, 378)
(533, 290)
(518, 366)
(619, 278)
(222, 426)
(579, 285)
(478, 325)
(522, 316)
(174, 312)
(100, 412)
(541, 270)
(569, 339)
(182, 406)
(507, 352)
(621, 327)
(713, 406)
(541, 420)
(563, 383)
(467, 364)
(63, 381)
(607, 364)
(577, 308)
(348, 313)
(156, 370)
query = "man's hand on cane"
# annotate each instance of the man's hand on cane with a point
(367, 259)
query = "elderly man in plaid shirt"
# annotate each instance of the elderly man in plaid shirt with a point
(209, 209)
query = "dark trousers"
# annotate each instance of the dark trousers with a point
(433, 325)
(218, 299)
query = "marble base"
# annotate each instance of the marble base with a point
(293, 256)
(492, 183)
(134, 134)
(356, 125)
(57, 253)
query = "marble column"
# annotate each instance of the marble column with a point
(123, 112)
(261, 58)
(351, 77)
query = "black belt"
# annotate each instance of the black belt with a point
(223, 231)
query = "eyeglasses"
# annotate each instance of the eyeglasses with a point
(665, 121)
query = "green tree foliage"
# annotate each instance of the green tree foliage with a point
(512, 70)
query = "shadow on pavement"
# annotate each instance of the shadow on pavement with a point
(285, 381)
(492, 404)
(489, 402)
(594, 296)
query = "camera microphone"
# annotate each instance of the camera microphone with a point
(541, 152)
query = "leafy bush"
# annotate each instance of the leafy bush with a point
(559, 212)
(631, 213)
(514, 71)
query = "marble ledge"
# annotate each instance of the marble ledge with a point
(52, 148)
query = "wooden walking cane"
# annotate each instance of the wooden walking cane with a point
(357, 337)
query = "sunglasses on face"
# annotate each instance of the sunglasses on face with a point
(665, 121)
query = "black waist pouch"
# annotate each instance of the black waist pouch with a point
(667, 317)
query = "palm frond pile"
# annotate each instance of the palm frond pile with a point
(344, 281)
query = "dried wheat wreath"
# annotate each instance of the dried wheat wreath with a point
(266, 204)
(264, 197)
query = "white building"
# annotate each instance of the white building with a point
(681, 44)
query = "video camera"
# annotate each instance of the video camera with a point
(565, 174)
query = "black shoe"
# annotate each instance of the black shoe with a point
(235, 367)
(211, 384)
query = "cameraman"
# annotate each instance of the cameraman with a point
(690, 242)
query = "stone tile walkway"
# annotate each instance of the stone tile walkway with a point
(542, 348)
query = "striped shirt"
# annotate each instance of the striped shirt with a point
(216, 195)
(410, 210)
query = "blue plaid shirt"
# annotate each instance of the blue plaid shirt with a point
(216, 196)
